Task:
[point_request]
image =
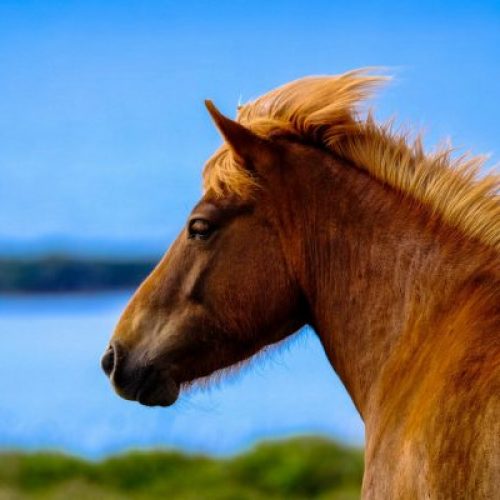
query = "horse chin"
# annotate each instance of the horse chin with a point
(158, 391)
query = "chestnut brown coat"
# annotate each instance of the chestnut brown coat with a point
(314, 215)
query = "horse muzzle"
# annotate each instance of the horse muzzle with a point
(137, 381)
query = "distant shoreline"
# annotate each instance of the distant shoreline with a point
(66, 274)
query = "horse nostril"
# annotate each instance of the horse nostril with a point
(108, 360)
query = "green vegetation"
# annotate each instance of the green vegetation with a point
(65, 274)
(305, 468)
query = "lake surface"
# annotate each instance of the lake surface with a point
(54, 395)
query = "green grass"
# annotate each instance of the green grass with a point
(302, 468)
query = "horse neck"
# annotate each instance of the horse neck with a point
(377, 270)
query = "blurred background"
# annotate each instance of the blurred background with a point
(103, 135)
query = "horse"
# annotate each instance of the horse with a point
(314, 214)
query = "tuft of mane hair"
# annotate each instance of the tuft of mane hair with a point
(323, 110)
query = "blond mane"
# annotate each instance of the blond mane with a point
(323, 111)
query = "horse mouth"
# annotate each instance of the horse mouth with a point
(157, 390)
(147, 386)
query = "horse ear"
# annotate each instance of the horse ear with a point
(247, 145)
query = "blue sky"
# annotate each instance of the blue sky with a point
(102, 127)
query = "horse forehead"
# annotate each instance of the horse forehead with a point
(206, 205)
(219, 206)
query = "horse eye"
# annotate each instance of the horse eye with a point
(200, 229)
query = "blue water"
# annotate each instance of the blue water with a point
(53, 394)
